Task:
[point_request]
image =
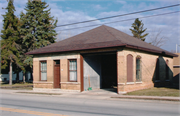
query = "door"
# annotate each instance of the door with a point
(57, 74)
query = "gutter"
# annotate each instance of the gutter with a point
(151, 50)
(91, 48)
(121, 45)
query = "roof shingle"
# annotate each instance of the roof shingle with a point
(100, 37)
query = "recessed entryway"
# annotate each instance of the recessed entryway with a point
(100, 71)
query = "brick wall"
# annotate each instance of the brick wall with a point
(176, 64)
(148, 70)
(176, 70)
(70, 85)
(48, 85)
(148, 67)
(50, 71)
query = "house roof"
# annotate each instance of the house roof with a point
(100, 37)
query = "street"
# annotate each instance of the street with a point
(17, 104)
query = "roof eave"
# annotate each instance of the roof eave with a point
(70, 50)
(126, 45)
(151, 50)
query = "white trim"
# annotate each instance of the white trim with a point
(122, 92)
(58, 90)
(43, 82)
(176, 65)
(57, 56)
(121, 83)
(129, 83)
(139, 82)
(70, 82)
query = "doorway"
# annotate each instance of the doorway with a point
(109, 71)
(56, 73)
(100, 71)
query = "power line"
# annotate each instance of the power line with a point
(121, 21)
(120, 15)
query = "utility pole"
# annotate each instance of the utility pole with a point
(177, 48)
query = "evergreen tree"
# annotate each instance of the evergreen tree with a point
(138, 30)
(10, 37)
(37, 29)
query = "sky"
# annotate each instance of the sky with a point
(71, 11)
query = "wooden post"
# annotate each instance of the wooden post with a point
(24, 77)
(89, 81)
(81, 72)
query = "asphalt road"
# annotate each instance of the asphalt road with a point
(46, 105)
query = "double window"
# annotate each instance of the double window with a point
(130, 68)
(43, 72)
(73, 70)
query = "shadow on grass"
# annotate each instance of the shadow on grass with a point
(156, 91)
(163, 75)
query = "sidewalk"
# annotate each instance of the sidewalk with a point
(97, 94)
(162, 98)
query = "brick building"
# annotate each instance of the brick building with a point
(176, 70)
(101, 58)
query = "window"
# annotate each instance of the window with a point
(129, 68)
(72, 70)
(57, 61)
(138, 69)
(43, 73)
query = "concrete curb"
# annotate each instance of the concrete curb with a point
(149, 98)
(41, 93)
(53, 90)
(94, 95)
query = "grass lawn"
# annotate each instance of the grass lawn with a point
(17, 85)
(21, 88)
(156, 91)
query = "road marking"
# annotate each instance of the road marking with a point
(30, 112)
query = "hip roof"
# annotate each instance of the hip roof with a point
(100, 37)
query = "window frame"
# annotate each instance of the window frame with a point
(71, 70)
(41, 71)
(140, 75)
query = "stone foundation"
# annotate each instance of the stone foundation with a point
(70, 86)
(133, 87)
(43, 85)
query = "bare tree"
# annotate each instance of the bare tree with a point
(157, 39)
(57, 37)
(173, 51)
